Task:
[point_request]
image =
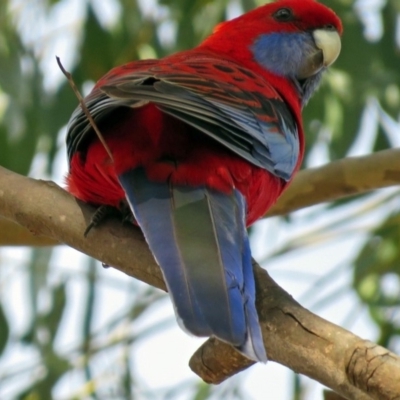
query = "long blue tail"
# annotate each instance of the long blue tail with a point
(198, 237)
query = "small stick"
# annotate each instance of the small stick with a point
(84, 108)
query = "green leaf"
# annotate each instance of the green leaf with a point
(378, 262)
(52, 320)
(4, 330)
(203, 391)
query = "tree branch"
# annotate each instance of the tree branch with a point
(339, 179)
(45, 209)
(294, 337)
(12, 234)
(336, 180)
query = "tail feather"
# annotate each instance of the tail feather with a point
(198, 238)
(153, 211)
(202, 252)
(253, 347)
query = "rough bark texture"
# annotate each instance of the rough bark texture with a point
(293, 336)
(352, 367)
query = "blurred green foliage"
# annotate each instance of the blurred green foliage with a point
(32, 114)
(377, 277)
(364, 69)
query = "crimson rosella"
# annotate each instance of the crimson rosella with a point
(203, 142)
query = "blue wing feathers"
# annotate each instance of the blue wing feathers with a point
(257, 128)
(253, 346)
(199, 239)
(151, 207)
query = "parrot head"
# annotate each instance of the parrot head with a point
(292, 39)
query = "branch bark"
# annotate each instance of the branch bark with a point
(293, 336)
(339, 179)
(336, 180)
(12, 234)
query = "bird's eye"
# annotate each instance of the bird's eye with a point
(330, 27)
(283, 15)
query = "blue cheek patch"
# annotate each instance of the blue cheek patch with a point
(283, 53)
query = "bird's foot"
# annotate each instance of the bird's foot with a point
(100, 215)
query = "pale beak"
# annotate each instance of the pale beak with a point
(326, 50)
(329, 42)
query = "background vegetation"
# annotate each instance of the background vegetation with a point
(355, 112)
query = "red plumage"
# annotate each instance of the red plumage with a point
(147, 136)
(171, 149)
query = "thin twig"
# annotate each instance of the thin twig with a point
(84, 108)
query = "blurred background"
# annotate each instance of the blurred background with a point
(70, 329)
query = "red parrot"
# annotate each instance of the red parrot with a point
(203, 142)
